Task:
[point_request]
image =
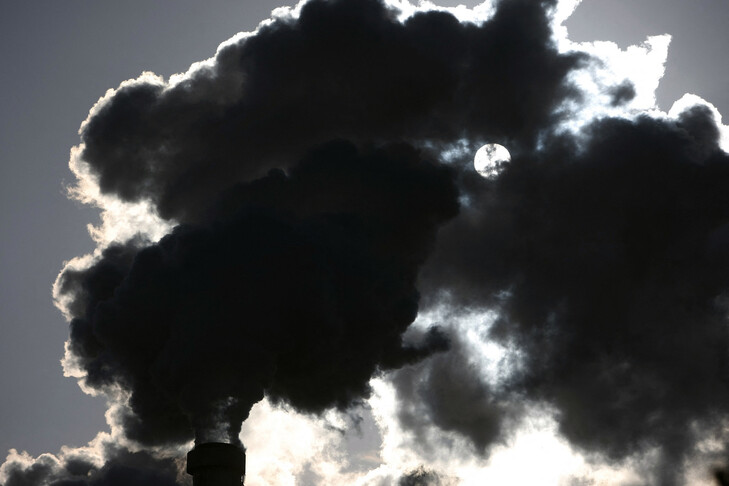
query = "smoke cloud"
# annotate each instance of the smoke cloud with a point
(316, 179)
(301, 289)
(607, 263)
(292, 269)
(104, 464)
(346, 70)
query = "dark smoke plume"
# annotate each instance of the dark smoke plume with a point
(318, 207)
(122, 468)
(607, 257)
(299, 286)
(343, 69)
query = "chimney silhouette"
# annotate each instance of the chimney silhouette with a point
(216, 464)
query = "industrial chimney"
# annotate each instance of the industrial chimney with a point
(216, 464)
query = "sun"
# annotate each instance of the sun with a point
(491, 159)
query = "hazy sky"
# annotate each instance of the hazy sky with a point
(60, 57)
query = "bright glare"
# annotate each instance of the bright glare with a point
(491, 159)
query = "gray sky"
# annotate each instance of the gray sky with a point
(59, 57)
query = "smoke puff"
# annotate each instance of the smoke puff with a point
(122, 467)
(450, 392)
(301, 288)
(622, 93)
(342, 69)
(607, 257)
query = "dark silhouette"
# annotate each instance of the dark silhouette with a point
(216, 464)
(320, 206)
(121, 467)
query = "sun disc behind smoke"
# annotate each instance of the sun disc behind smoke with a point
(490, 160)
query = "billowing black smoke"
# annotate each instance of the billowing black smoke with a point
(608, 263)
(297, 283)
(343, 69)
(319, 207)
(122, 467)
(299, 286)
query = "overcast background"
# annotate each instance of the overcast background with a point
(58, 57)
